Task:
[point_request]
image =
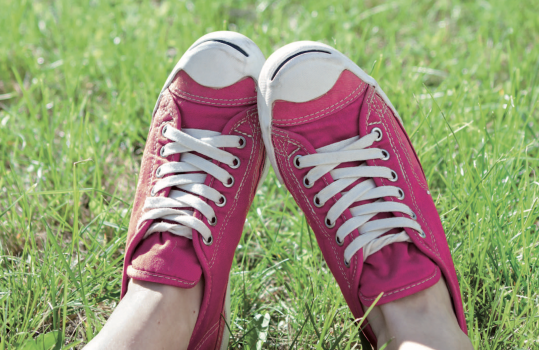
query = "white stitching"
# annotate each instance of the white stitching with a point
(402, 289)
(302, 120)
(383, 181)
(250, 113)
(160, 276)
(208, 334)
(278, 133)
(179, 94)
(209, 98)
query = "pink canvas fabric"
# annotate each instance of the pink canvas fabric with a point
(174, 260)
(353, 108)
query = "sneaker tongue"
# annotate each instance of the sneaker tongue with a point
(167, 259)
(397, 270)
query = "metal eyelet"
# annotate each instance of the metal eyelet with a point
(162, 152)
(317, 202)
(422, 234)
(329, 224)
(235, 163)
(153, 193)
(208, 242)
(213, 221)
(394, 176)
(346, 263)
(296, 161)
(242, 142)
(307, 183)
(222, 201)
(401, 192)
(414, 217)
(386, 154)
(379, 132)
(158, 173)
(230, 182)
(164, 130)
(339, 242)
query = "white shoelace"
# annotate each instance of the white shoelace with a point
(353, 150)
(188, 181)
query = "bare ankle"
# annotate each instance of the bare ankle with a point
(425, 319)
(152, 315)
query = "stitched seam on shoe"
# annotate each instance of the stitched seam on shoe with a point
(382, 112)
(392, 120)
(208, 334)
(167, 111)
(402, 289)
(210, 264)
(160, 276)
(278, 133)
(179, 94)
(410, 189)
(407, 155)
(214, 103)
(230, 212)
(175, 89)
(303, 120)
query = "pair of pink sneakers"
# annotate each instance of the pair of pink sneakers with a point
(332, 137)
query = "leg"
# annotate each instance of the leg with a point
(151, 316)
(422, 321)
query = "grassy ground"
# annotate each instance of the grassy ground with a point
(78, 81)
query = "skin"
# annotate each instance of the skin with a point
(151, 316)
(422, 321)
(156, 316)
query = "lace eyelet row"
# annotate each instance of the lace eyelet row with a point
(158, 173)
(394, 177)
(229, 183)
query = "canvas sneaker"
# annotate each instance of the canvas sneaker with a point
(203, 160)
(337, 143)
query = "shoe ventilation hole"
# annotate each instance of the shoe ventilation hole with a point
(293, 56)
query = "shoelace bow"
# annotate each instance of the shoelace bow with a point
(371, 233)
(187, 178)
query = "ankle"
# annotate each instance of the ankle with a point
(425, 319)
(183, 303)
(151, 316)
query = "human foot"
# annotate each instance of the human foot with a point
(203, 160)
(339, 146)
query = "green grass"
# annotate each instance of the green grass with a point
(78, 81)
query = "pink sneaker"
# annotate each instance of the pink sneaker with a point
(339, 146)
(203, 161)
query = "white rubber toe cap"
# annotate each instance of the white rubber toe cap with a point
(218, 60)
